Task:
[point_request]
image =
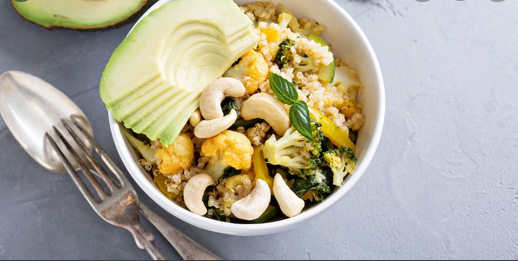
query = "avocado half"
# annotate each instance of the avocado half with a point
(155, 77)
(77, 14)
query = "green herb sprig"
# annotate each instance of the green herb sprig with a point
(299, 112)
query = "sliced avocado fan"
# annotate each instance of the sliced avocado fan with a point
(155, 77)
(77, 14)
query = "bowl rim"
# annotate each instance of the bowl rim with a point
(275, 226)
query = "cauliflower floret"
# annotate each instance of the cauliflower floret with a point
(284, 20)
(252, 70)
(228, 149)
(287, 16)
(177, 157)
(347, 82)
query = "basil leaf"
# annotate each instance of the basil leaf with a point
(283, 89)
(299, 112)
(299, 117)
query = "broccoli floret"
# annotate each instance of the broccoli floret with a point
(284, 55)
(315, 147)
(288, 151)
(342, 162)
(314, 163)
(300, 155)
(314, 150)
(314, 187)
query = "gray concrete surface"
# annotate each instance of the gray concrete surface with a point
(443, 184)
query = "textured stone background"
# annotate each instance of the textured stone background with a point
(443, 184)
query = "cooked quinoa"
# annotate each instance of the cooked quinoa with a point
(273, 26)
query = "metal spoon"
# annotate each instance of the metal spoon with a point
(31, 107)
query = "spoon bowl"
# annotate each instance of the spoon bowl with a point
(31, 107)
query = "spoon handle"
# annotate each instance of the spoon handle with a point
(185, 246)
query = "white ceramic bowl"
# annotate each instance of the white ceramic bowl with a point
(348, 42)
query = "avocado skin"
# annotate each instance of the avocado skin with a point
(64, 23)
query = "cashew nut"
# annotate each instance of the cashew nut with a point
(264, 106)
(193, 193)
(291, 205)
(215, 93)
(253, 206)
(195, 118)
(210, 128)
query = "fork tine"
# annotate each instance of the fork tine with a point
(73, 174)
(104, 156)
(91, 159)
(97, 186)
(125, 201)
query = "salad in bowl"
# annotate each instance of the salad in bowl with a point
(237, 114)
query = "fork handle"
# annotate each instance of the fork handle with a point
(144, 240)
(185, 246)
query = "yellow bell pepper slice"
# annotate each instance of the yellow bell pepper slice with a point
(271, 34)
(337, 135)
(160, 182)
(260, 168)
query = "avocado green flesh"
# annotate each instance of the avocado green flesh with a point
(160, 103)
(325, 72)
(78, 14)
(145, 94)
(155, 77)
(143, 119)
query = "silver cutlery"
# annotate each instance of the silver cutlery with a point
(118, 204)
(46, 123)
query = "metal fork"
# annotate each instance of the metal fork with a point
(119, 204)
